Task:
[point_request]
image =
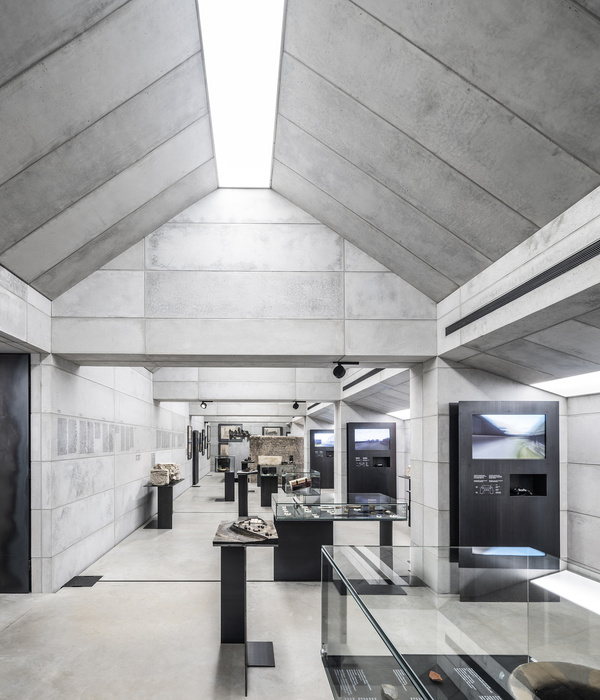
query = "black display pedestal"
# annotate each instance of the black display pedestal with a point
(233, 606)
(268, 486)
(298, 556)
(229, 481)
(386, 533)
(243, 491)
(164, 519)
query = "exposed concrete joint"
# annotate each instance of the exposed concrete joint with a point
(474, 87)
(353, 213)
(106, 114)
(411, 138)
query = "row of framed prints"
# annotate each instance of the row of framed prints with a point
(203, 437)
(224, 428)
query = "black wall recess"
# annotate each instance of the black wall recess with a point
(372, 458)
(14, 474)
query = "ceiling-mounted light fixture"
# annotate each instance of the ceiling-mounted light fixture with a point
(295, 405)
(203, 404)
(339, 371)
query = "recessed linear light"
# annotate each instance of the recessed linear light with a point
(403, 415)
(241, 41)
(578, 385)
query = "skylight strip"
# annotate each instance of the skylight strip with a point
(242, 48)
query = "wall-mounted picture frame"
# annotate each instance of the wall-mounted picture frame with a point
(208, 455)
(205, 440)
(223, 449)
(208, 432)
(201, 441)
(269, 431)
(190, 432)
(224, 429)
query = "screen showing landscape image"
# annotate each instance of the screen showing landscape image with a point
(372, 439)
(323, 439)
(509, 436)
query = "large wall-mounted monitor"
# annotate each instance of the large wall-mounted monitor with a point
(324, 439)
(372, 439)
(509, 436)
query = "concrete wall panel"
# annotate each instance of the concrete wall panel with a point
(261, 247)
(373, 295)
(243, 295)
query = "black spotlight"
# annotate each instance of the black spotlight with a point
(338, 371)
(295, 405)
(203, 404)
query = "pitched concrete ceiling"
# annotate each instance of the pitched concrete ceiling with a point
(105, 131)
(437, 136)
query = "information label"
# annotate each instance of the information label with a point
(488, 484)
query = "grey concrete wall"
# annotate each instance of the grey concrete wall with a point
(583, 485)
(25, 316)
(434, 385)
(95, 434)
(243, 273)
(245, 383)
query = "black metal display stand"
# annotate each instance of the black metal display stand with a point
(229, 482)
(164, 520)
(233, 606)
(321, 456)
(268, 486)
(242, 478)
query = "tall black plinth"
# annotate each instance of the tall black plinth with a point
(229, 486)
(164, 520)
(243, 491)
(233, 598)
(268, 486)
(233, 595)
(386, 533)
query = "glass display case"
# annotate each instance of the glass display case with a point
(224, 464)
(298, 509)
(440, 623)
(279, 469)
(304, 485)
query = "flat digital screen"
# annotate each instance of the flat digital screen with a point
(371, 439)
(509, 436)
(323, 439)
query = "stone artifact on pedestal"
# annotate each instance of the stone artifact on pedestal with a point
(159, 477)
(172, 467)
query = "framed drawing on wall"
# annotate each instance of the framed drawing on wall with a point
(208, 451)
(208, 432)
(189, 441)
(224, 429)
(202, 447)
(205, 440)
(224, 449)
(272, 432)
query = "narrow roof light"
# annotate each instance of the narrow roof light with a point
(242, 47)
(578, 385)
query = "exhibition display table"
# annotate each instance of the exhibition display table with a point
(233, 545)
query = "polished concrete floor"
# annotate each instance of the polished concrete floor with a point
(150, 627)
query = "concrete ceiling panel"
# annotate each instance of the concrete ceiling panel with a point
(74, 87)
(116, 239)
(442, 111)
(397, 161)
(31, 29)
(513, 51)
(73, 170)
(504, 368)
(545, 359)
(395, 217)
(572, 337)
(362, 234)
(111, 202)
